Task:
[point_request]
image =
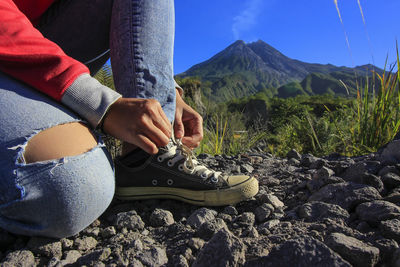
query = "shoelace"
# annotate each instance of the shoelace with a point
(179, 151)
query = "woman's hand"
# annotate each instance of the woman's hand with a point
(141, 122)
(188, 123)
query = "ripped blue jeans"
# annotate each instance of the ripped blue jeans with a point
(60, 197)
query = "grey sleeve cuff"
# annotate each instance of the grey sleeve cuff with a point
(89, 98)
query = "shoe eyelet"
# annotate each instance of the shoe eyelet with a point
(170, 164)
(160, 159)
(154, 182)
(203, 176)
(214, 179)
(170, 182)
(190, 169)
(180, 167)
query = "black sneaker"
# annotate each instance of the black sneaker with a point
(176, 174)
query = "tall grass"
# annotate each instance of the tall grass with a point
(377, 114)
(214, 134)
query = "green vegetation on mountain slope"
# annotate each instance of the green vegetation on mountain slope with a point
(245, 69)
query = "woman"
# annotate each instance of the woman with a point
(56, 176)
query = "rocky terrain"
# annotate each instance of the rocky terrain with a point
(331, 211)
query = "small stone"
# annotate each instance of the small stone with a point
(95, 223)
(246, 219)
(227, 218)
(269, 225)
(137, 244)
(396, 258)
(358, 173)
(316, 184)
(323, 173)
(346, 195)
(200, 216)
(66, 243)
(91, 231)
(246, 168)
(130, 220)
(108, 232)
(231, 210)
(339, 167)
(196, 243)
(319, 163)
(391, 180)
(181, 262)
(364, 227)
(54, 262)
(236, 170)
(209, 228)
(387, 248)
(263, 212)
(305, 251)
(155, 256)
(391, 229)
(160, 217)
(270, 181)
(273, 200)
(391, 152)
(203, 156)
(223, 249)
(94, 257)
(355, 170)
(307, 160)
(388, 169)
(353, 250)
(293, 154)
(85, 243)
(294, 162)
(318, 211)
(145, 232)
(379, 210)
(19, 258)
(277, 215)
(251, 232)
(71, 257)
(256, 159)
(373, 166)
(393, 198)
(45, 246)
(286, 224)
(188, 254)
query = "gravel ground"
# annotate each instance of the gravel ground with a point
(331, 211)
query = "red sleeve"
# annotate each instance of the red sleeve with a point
(27, 56)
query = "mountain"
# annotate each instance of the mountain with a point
(244, 69)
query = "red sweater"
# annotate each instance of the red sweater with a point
(27, 56)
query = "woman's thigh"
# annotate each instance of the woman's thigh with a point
(54, 198)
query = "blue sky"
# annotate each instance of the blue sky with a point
(307, 30)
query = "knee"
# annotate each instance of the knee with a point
(79, 205)
(61, 199)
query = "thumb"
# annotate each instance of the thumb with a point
(179, 129)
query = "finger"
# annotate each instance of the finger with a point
(156, 135)
(179, 129)
(163, 127)
(166, 121)
(146, 144)
(192, 141)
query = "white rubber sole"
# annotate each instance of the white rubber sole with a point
(232, 195)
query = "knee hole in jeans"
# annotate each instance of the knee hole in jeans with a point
(70, 139)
